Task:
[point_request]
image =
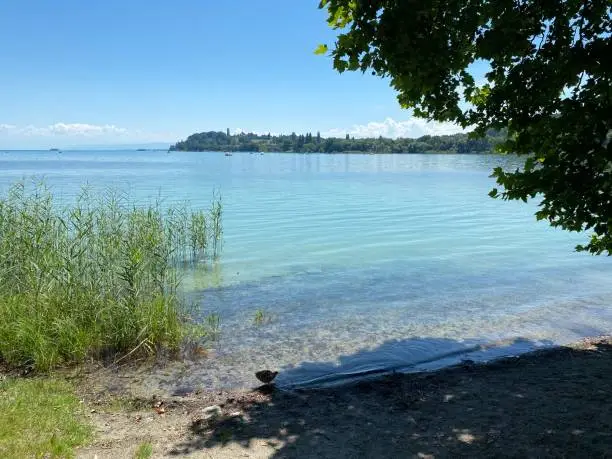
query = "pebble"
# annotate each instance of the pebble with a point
(211, 412)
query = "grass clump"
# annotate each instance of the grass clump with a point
(40, 418)
(96, 279)
(144, 451)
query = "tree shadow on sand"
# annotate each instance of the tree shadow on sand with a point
(551, 403)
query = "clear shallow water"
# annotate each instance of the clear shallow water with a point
(365, 263)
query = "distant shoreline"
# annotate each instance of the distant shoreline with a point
(307, 143)
(342, 153)
(134, 150)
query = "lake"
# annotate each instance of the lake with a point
(362, 263)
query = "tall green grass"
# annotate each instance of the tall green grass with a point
(95, 279)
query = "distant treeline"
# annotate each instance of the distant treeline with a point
(308, 143)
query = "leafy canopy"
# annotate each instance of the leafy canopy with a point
(549, 84)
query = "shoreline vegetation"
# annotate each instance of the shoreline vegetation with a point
(309, 143)
(98, 279)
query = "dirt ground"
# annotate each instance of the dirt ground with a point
(554, 403)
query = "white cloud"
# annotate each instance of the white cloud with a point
(80, 132)
(86, 129)
(7, 127)
(414, 127)
(73, 130)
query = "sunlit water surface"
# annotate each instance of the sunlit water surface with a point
(361, 263)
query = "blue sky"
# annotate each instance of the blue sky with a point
(77, 72)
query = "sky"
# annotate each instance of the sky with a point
(76, 72)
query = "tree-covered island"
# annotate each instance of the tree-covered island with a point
(309, 143)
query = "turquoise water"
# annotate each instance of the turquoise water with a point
(364, 263)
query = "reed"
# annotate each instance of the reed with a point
(98, 278)
(261, 317)
(213, 326)
(216, 212)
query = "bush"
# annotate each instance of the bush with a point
(97, 278)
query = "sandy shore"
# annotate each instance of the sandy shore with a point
(551, 403)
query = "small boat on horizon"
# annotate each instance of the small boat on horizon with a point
(227, 153)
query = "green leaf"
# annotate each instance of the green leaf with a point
(541, 215)
(321, 49)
